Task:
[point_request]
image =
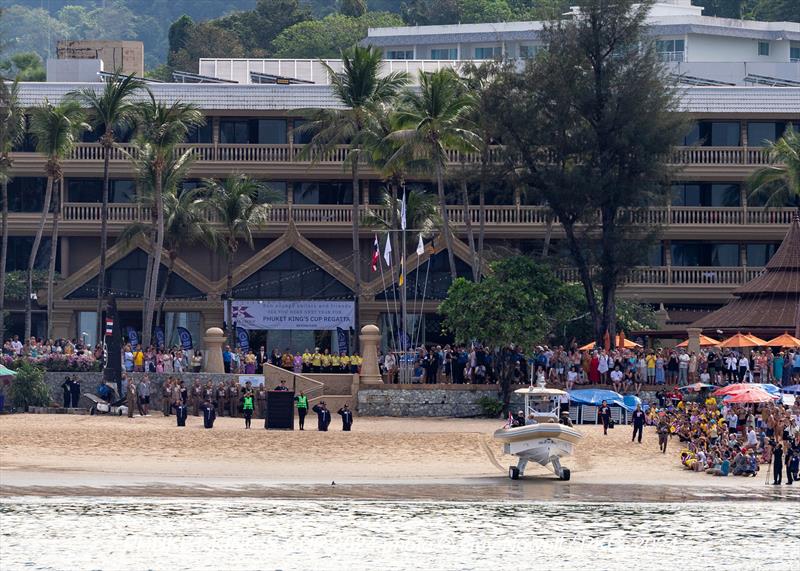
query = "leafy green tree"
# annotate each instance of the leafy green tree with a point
(56, 129)
(430, 122)
(590, 122)
(31, 30)
(112, 109)
(257, 29)
(179, 33)
(779, 183)
(206, 39)
(242, 205)
(722, 8)
(775, 10)
(327, 37)
(12, 130)
(430, 12)
(352, 8)
(28, 387)
(24, 66)
(477, 11)
(161, 128)
(361, 89)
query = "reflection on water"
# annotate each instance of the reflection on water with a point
(232, 534)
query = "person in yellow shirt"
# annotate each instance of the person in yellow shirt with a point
(335, 363)
(307, 357)
(345, 361)
(326, 362)
(138, 359)
(355, 363)
(316, 361)
(711, 402)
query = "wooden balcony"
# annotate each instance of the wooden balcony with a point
(292, 162)
(511, 222)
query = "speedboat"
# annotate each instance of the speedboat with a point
(542, 439)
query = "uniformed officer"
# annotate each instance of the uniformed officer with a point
(261, 402)
(347, 417)
(209, 414)
(222, 399)
(233, 399)
(166, 397)
(181, 412)
(197, 397)
(302, 408)
(208, 394)
(323, 416)
(248, 406)
(66, 386)
(130, 396)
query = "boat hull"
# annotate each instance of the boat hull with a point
(539, 442)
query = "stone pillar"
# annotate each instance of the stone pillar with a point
(370, 338)
(694, 339)
(214, 339)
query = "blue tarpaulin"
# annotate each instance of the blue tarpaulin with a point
(794, 389)
(597, 396)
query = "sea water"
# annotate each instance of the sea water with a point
(243, 533)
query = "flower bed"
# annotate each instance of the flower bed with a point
(55, 362)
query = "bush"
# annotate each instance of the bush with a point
(28, 387)
(55, 363)
(492, 407)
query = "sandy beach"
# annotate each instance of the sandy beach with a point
(382, 457)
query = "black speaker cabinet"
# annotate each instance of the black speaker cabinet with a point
(280, 410)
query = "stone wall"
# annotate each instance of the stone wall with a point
(424, 400)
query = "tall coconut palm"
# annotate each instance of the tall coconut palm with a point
(12, 130)
(241, 205)
(186, 220)
(160, 129)
(779, 183)
(56, 129)
(111, 110)
(359, 88)
(430, 122)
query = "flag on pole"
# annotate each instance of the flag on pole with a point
(420, 246)
(387, 251)
(403, 212)
(401, 279)
(376, 254)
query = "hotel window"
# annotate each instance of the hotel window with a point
(400, 54)
(706, 194)
(763, 48)
(759, 133)
(26, 194)
(529, 52)
(691, 254)
(243, 131)
(488, 53)
(200, 134)
(91, 190)
(670, 50)
(714, 134)
(759, 254)
(323, 193)
(794, 51)
(444, 53)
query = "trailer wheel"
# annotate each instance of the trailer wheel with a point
(93, 410)
(565, 474)
(513, 472)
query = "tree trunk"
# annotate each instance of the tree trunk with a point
(162, 297)
(610, 312)
(148, 274)
(470, 234)
(482, 222)
(101, 272)
(548, 233)
(158, 204)
(3, 256)
(448, 237)
(586, 279)
(356, 251)
(229, 298)
(51, 272)
(32, 259)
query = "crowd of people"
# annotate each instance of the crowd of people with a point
(316, 361)
(624, 370)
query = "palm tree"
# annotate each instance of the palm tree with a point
(56, 129)
(241, 205)
(161, 128)
(430, 122)
(779, 183)
(112, 110)
(12, 130)
(360, 89)
(186, 220)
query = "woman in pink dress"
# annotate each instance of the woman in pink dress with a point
(594, 373)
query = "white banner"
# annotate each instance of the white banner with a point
(295, 315)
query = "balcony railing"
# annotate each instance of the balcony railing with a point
(296, 154)
(711, 276)
(506, 216)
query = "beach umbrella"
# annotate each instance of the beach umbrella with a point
(730, 389)
(705, 341)
(757, 340)
(784, 341)
(588, 346)
(696, 387)
(739, 341)
(626, 343)
(6, 372)
(750, 395)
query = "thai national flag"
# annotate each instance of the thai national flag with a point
(376, 254)
(109, 327)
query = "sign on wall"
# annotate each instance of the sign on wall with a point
(294, 315)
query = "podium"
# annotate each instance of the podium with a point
(280, 410)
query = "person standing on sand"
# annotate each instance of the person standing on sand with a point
(663, 434)
(66, 386)
(777, 468)
(75, 391)
(233, 399)
(347, 418)
(181, 412)
(222, 398)
(130, 395)
(209, 414)
(638, 423)
(604, 412)
(323, 416)
(302, 408)
(166, 397)
(248, 405)
(143, 390)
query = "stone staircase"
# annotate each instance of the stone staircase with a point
(335, 390)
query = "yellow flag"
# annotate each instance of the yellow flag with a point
(402, 271)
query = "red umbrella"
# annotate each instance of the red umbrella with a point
(731, 389)
(750, 395)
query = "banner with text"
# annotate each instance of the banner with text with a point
(295, 315)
